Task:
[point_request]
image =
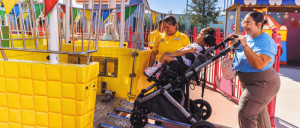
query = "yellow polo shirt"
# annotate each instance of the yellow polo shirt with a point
(152, 36)
(165, 43)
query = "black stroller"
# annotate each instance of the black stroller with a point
(169, 100)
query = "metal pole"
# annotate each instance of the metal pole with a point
(59, 27)
(98, 24)
(53, 30)
(67, 21)
(72, 25)
(46, 29)
(21, 23)
(10, 31)
(34, 25)
(91, 26)
(16, 21)
(122, 23)
(83, 23)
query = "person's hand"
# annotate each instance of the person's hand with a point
(242, 39)
(231, 36)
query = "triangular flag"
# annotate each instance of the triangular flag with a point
(78, 18)
(24, 15)
(37, 10)
(162, 16)
(74, 13)
(119, 16)
(42, 7)
(94, 15)
(15, 10)
(105, 14)
(127, 9)
(154, 15)
(49, 4)
(63, 7)
(87, 14)
(2, 14)
(8, 5)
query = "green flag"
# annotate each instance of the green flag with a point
(74, 14)
(2, 14)
(42, 6)
(37, 10)
(127, 9)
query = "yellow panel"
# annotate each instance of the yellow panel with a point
(68, 74)
(14, 115)
(40, 127)
(14, 125)
(55, 120)
(13, 100)
(68, 90)
(68, 121)
(41, 118)
(81, 92)
(26, 126)
(80, 108)
(80, 120)
(39, 72)
(25, 86)
(4, 114)
(3, 100)
(11, 85)
(93, 71)
(27, 102)
(4, 125)
(1, 68)
(53, 69)
(28, 117)
(39, 87)
(40, 103)
(54, 105)
(88, 103)
(2, 84)
(81, 75)
(283, 34)
(25, 70)
(11, 69)
(54, 89)
(68, 107)
(88, 118)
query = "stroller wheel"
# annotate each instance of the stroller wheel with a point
(204, 107)
(202, 124)
(138, 119)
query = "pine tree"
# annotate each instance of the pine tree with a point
(203, 12)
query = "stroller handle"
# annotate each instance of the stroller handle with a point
(225, 41)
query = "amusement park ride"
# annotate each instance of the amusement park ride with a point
(85, 60)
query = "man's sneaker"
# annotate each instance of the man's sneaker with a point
(150, 70)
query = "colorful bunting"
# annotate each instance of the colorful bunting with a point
(49, 4)
(87, 14)
(154, 15)
(74, 14)
(15, 10)
(119, 16)
(24, 15)
(2, 14)
(94, 15)
(8, 5)
(105, 14)
(37, 10)
(127, 9)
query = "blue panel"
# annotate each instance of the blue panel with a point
(290, 2)
(265, 2)
(239, 2)
(283, 57)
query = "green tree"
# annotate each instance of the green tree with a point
(181, 22)
(203, 12)
(26, 6)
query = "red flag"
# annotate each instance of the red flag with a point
(63, 8)
(49, 4)
(119, 16)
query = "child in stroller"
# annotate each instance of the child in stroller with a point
(176, 105)
(186, 55)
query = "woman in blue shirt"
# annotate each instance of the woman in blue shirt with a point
(260, 82)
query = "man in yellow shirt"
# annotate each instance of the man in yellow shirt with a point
(154, 34)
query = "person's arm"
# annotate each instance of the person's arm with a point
(256, 60)
(183, 52)
(152, 58)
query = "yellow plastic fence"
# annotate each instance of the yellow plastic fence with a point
(35, 94)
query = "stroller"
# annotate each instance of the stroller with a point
(169, 100)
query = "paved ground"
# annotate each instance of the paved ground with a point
(225, 112)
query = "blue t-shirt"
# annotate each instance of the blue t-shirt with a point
(262, 44)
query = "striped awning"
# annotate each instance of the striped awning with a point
(229, 3)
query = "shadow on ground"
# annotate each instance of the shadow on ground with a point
(280, 123)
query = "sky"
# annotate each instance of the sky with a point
(177, 6)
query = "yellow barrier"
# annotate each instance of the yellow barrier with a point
(100, 43)
(34, 94)
(28, 42)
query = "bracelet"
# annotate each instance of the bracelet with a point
(245, 46)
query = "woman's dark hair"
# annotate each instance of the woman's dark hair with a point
(170, 20)
(258, 17)
(209, 30)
